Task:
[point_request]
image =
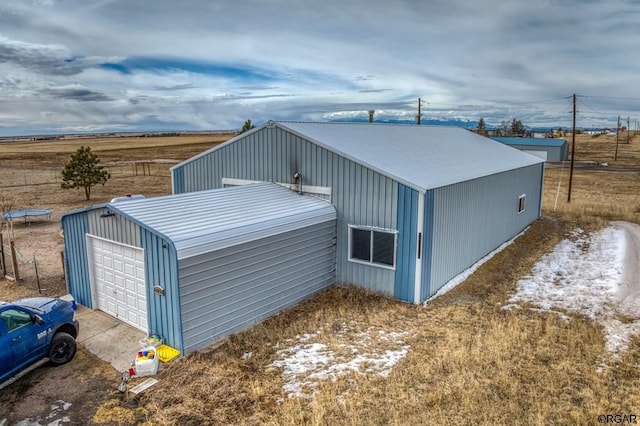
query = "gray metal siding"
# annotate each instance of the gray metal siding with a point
(75, 226)
(554, 153)
(114, 228)
(360, 195)
(161, 269)
(177, 182)
(473, 218)
(228, 290)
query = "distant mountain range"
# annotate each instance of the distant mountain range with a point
(465, 124)
(426, 122)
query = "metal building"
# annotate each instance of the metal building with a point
(549, 149)
(199, 266)
(416, 205)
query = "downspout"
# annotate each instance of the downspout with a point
(417, 286)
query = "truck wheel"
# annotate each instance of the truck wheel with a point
(63, 348)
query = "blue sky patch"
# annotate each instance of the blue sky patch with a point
(213, 69)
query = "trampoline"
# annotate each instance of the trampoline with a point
(27, 214)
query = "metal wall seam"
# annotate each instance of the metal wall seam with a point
(427, 244)
(417, 292)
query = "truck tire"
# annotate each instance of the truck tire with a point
(63, 348)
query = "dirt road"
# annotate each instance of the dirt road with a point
(629, 294)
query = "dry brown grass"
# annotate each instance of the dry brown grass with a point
(470, 362)
(595, 195)
(599, 194)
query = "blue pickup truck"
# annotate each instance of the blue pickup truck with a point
(34, 332)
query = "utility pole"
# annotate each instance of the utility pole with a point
(419, 111)
(628, 128)
(615, 157)
(573, 148)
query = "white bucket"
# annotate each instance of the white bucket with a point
(146, 363)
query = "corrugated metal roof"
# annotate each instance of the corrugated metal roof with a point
(204, 221)
(531, 141)
(423, 157)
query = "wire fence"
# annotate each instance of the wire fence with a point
(16, 266)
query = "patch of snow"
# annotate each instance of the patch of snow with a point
(582, 275)
(305, 364)
(461, 277)
(56, 409)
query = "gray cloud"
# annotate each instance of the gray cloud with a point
(77, 94)
(176, 87)
(465, 58)
(46, 59)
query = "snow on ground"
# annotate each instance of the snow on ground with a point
(595, 275)
(56, 416)
(309, 360)
(584, 275)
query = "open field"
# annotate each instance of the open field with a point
(468, 362)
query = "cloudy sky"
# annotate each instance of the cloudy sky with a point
(127, 65)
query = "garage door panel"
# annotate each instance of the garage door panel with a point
(118, 265)
(130, 285)
(130, 270)
(118, 280)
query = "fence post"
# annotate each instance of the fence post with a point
(3, 265)
(14, 261)
(64, 269)
(2, 258)
(35, 266)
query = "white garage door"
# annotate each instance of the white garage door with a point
(117, 280)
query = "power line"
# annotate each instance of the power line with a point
(584, 104)
(610, 97)
(541, 101)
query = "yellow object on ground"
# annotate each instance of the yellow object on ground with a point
(167, 353)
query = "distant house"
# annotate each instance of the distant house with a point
(281, 211)
(540, 134)
(549, 149)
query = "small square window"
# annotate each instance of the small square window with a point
(383, 247)
(521, 202)
(374, 246)
(361, 244)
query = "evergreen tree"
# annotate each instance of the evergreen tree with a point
(482, 127)
(517, 128)
(247, 126)
(84, 171)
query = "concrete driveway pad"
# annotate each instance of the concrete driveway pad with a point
(108, 338)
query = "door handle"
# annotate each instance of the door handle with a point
(15, 339)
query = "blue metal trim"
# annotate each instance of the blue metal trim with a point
(178, 180)
(427, 245)
(75, 227)
(407, 243)
(161, 264)
(84, 210)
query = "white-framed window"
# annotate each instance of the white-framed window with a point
(521, 203)
(373, 246)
